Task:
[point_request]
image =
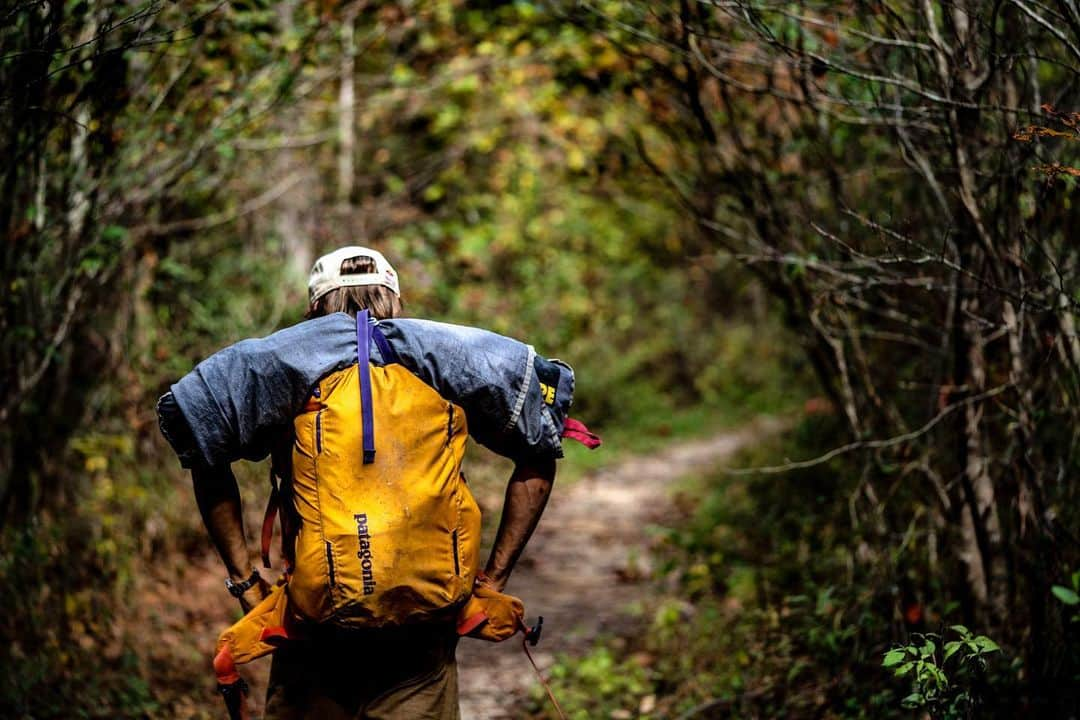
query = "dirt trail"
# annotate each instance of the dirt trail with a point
(585, 563)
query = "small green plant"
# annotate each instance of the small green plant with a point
(942, 679)
(599, 684)
(1070, 596)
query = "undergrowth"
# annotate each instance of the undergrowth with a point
(773, 603)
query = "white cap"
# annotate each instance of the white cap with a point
(326, 273)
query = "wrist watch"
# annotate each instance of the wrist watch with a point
(236, 589)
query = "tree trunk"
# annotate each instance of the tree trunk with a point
(347, 111)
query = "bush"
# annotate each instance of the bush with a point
(780, 599)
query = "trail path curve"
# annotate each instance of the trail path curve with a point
(585, 563)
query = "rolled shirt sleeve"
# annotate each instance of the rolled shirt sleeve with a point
(516, 402)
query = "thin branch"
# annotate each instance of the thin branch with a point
(1048, 26)
(27, 384)
(869, 444)
(222, 218)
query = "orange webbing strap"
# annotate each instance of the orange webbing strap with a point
(272, 506)
(529, 637)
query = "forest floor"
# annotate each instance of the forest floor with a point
(587, 563)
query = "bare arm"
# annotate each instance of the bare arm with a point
(218, 497)
(526, 496)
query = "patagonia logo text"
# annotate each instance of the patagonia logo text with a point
(364, 553)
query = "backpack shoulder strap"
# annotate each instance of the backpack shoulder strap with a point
(276, 505)
(389, 355)
(273, 507)
(363, 368)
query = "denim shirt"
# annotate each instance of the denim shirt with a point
(237, 401)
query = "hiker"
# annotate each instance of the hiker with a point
(365, 621)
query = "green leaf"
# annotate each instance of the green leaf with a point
(114, 233)
(904, 669)
(893, 657)
(951, 648)
(434, 192)
(1065, 595)
(986, 644)
(913, 700)
(961, 629)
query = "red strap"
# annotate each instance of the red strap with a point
(273, 635)
(576, 430)
(466, 626)
(224, 667)
(268, 524)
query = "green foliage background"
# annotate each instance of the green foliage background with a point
(493, 164)
(535, 168)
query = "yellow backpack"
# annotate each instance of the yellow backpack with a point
(389, 533)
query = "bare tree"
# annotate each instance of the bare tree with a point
(107, 139)
(884, 170)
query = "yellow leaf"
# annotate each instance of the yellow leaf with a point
(575, 159)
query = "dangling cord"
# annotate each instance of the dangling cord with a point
(531, 633)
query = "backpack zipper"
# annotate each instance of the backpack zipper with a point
(330, 562)
(318, 432)
(457, 563)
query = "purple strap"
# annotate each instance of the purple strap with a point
(363, 368)
(389, 357)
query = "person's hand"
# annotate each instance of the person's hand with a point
(489, 614)
(254, 595)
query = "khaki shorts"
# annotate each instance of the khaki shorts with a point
(394, 674)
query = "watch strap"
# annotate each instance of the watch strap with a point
(237, 589)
